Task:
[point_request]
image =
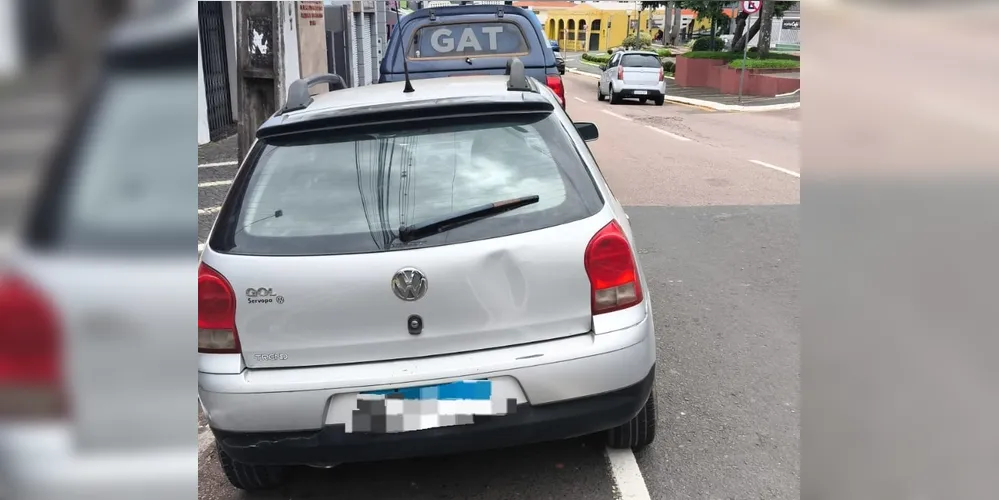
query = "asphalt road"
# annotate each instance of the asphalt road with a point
(718, 237)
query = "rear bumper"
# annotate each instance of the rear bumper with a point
(563, 370)
(40, 462)
(640, 92)
(529, 424)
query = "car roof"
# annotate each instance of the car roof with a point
(428, 93)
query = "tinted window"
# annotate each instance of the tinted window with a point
(640, 61)
(351, 194)
(484, 39)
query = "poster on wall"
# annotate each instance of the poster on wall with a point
(790, 24)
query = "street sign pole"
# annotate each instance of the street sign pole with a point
(742, 73)
(750, 7)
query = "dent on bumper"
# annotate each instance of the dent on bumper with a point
(296, 399)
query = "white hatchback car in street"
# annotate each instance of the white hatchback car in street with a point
(402, 272)
(631, 74)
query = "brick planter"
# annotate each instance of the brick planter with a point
(716, 74)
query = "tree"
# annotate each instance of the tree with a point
(766, 26)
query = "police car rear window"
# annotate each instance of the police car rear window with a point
(478, 39)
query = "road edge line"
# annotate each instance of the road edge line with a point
(669, 134)
(218, 164)
(628, 480)
(775, 167)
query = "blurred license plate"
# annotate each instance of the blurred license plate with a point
(640, 92)
(418, 408)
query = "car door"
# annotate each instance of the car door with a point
(608, 75)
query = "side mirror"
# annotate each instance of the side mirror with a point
(588, 131)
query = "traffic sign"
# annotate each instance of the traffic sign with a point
(751, 6)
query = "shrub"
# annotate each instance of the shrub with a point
(610, 51)
(706, 54)
(664, 53)
(669, 66)
(596, 58)
(765, 64)
(637, 41)
(704, 43)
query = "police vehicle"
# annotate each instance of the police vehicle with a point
(449, 272)
(470, 40)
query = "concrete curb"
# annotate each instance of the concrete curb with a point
(710, 104)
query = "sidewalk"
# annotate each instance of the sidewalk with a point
(700, 96)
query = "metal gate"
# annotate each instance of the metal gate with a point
(366, 22)
(216, 68)
(338, 43)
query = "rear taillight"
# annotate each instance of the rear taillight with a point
(614, 282)
(620, 73)
(216, 313)
(31, 377)
(554, 82)
(661, 75)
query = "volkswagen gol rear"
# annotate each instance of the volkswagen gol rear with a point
(313, 260)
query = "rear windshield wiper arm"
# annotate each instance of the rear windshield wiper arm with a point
(431, 227)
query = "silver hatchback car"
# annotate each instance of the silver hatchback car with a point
(399, 273)
(633, 74)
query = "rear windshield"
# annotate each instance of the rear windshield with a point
(476, 39)
(351, 194)
(640, 61)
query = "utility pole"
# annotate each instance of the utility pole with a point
(259, 65)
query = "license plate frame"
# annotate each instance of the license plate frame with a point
(411, 409)
(640, 92)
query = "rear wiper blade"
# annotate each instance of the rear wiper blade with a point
(434, 226)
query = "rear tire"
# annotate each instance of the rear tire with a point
(600, 95)
(639, 432)
(614, 98)
(250, 477)
(660, 101)
(643, 100)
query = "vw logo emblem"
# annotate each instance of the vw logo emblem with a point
(409, 284)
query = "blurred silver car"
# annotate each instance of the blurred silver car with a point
(632, 74)
(90, 406)
(398, 274)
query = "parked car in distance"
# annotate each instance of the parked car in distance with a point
(560, 63)
(469, 40)
(420, 268)
(632, 74)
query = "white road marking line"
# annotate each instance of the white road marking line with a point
(615, 115)
(219, 164)
(578, 99)
(788, 93)
(671, 134)
(775, 167)
(214, 183)
(209, 210)
(626, 474)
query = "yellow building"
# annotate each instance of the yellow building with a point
(584, 28)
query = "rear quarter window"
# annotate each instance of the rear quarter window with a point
(352, 193)
(473, 39)
(640, 61)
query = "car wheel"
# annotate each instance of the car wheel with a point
(660, 101)
(600, 95)
(639, 432)
(614, 98)
(250, 477)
